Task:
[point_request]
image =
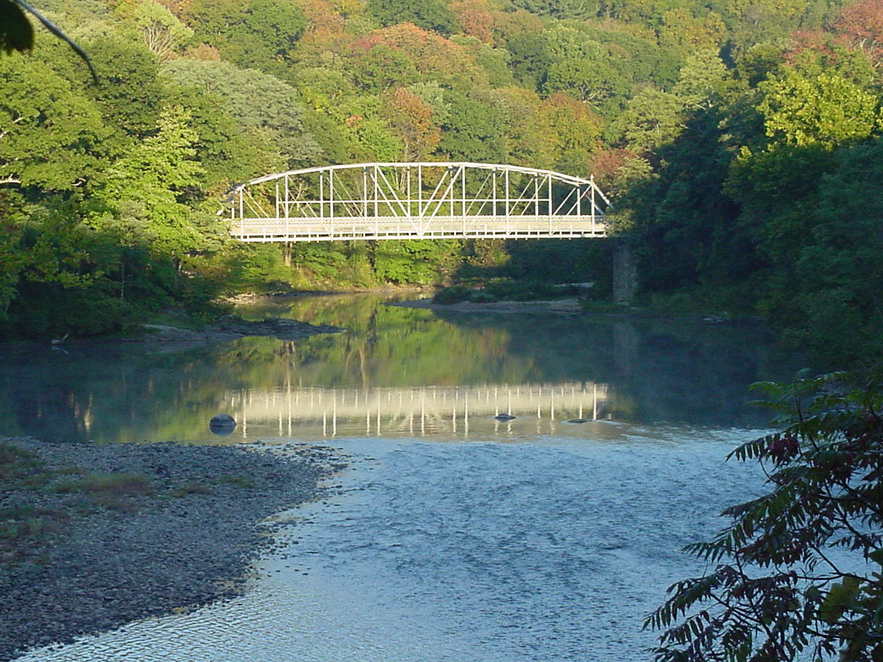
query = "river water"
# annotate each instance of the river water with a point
(453, 536)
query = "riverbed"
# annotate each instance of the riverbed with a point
(518, 488)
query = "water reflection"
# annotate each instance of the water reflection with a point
(636, 371)
(456, 412)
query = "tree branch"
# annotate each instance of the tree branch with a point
(54, 29)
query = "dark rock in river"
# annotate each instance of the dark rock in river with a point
(222, 424)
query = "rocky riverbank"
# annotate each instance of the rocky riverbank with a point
(559, 306)
(231, 328)
(94, 536)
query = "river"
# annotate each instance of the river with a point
(454, 535)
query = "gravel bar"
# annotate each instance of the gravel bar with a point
(189, 540)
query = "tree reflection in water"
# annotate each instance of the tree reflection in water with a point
(650, 370)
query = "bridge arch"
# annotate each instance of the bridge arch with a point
(450, 199)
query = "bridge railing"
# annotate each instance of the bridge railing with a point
(399, 227)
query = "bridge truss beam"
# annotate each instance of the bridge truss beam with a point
(376, 201)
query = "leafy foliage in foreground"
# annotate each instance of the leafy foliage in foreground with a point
(781, 586)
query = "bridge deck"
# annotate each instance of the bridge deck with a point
(405, 227)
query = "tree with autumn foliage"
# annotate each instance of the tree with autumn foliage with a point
(861, 25)
(411, 119)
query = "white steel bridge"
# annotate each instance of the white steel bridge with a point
(437, 200)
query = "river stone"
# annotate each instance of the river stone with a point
(222, 424)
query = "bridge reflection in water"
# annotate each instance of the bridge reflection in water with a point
(450, 411)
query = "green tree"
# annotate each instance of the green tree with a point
(750, 22)
(384, 67)
(703, 80)
(634, 54)
(252, 33)
(778, 194)
(373, 140)
(494, 61)
(778, 587)
(472, 131)
(531, 139)
(428, 14)
(280, 112)
(130, 95)
(530, 59)
(161, 31)
(688, 30)
(60, 277)
(591, 80)
(578, 132)
(838, 266)
(228, 151)
(11, 259)
(684, 214)
(50, 133)
(561, 8)
(653, 118)
(141, 194)
(827, 109)
(322, 89)
(582, 68)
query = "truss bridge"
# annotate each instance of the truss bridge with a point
(427, 200)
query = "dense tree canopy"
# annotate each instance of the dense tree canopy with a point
(741, 140)
(428, 14)
(43, 115)
(257, 33)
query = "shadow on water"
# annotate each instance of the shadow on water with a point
(647, 371)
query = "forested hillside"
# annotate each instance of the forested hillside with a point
(740, 138)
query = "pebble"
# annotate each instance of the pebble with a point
(164, 553)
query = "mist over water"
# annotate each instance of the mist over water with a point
(452, 536)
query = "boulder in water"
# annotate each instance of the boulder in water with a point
(222, 424)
